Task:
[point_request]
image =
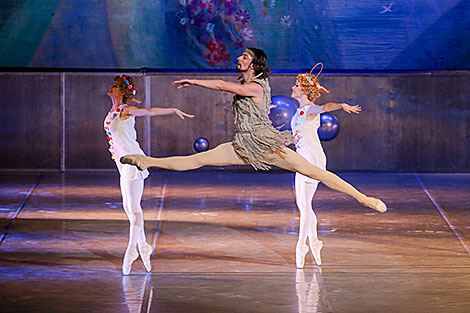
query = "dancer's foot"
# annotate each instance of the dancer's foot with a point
(315, 248)
(129, 258)
(300, 253)
(375, 204)
(145, 252)
(136, 160)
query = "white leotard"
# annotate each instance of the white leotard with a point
(307, 142)
(122, 139)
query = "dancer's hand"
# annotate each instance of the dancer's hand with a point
(182, 115)
(135, 100)
(351, 109)
(182, 83)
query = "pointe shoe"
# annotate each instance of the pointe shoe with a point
(136, 160)
(129, 258)
(145, 252)
(300, 253)
(315, 248)
(376, 204)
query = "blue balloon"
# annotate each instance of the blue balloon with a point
(329, 127)
(282, 114)
(201, 144)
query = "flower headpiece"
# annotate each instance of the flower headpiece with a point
(128, 84)
(310, 84)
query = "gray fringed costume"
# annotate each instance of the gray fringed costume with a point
(255, 138)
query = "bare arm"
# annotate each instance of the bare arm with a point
(135, 111)
(315, 109)
(333, 106)
(248, 90)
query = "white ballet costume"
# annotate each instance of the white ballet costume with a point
(308, 145)
(122, 139)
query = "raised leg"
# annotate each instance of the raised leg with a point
(223, 154)
(292, 161)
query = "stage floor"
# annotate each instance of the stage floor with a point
(225, 242)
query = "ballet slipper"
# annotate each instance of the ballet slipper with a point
(145, 252)
(315, 248)
(129, 258)
(136, 160)
(300, 253)
(375, 204)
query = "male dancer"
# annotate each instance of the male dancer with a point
(256, 141)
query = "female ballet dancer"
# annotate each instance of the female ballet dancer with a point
(122, 137)
(304, 125)
(256, 141)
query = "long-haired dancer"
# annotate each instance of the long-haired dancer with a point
(256, 141)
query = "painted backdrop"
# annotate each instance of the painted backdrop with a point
(210, 34)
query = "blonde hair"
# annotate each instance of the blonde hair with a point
(310, 85)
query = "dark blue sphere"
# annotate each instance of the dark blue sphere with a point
(329, 127)
(201, 144)
(282, 114)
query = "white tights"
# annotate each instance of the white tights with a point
(304, 192)
(132, 191)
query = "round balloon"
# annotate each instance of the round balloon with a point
(201, 144)
(283, 112)
(329, 127)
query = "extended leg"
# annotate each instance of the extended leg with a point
(224, 154)
(293, 161)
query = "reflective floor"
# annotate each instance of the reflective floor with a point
(225, 242)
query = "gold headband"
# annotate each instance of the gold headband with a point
(313, 79)
(251, 53)
(319, 63)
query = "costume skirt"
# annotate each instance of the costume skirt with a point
(256, 147)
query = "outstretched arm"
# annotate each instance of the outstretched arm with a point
(133, 110)
(248, 90)
(333, 106)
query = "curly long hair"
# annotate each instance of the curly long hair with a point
(127, 86)
(310, 85)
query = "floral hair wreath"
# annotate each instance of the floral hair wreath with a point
(128, 84)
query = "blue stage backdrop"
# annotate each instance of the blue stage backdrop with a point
(210, 34)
